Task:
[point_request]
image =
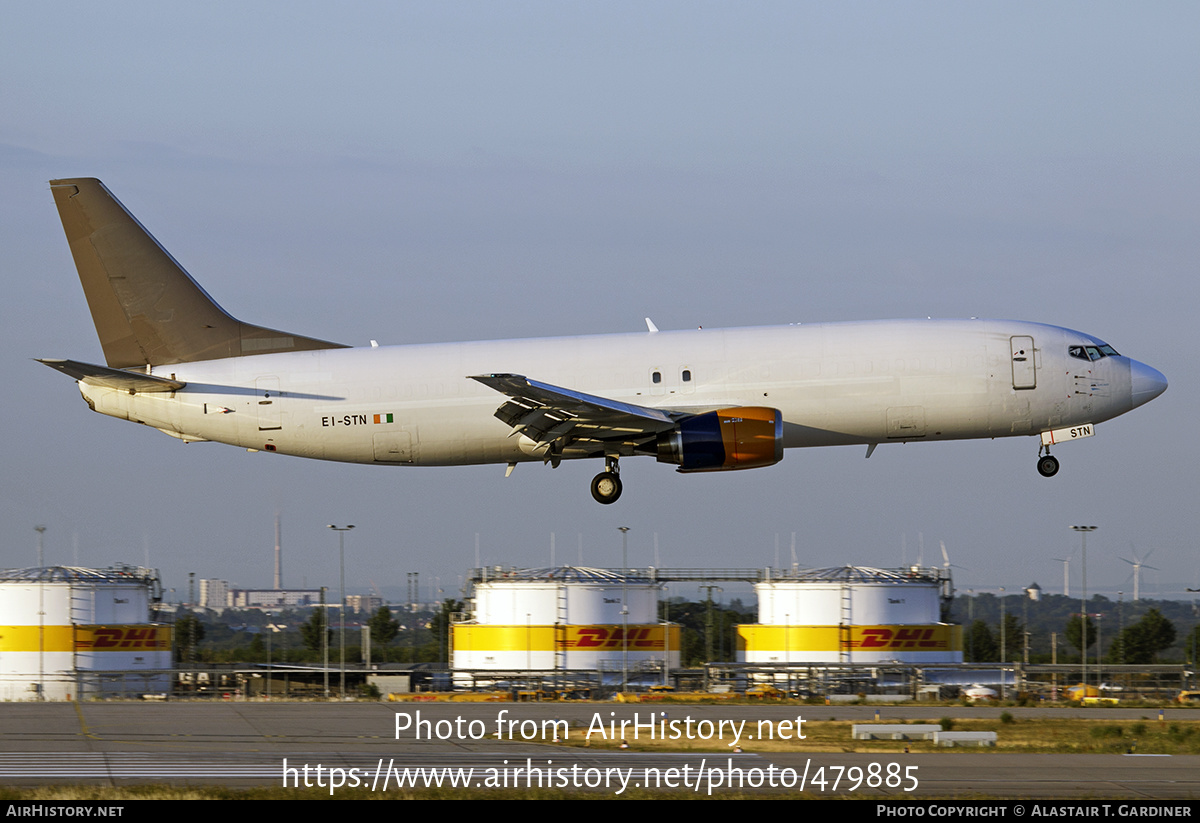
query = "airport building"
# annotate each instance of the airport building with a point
(71, 633)
(852, 614)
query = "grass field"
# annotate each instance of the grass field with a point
(1049, 736)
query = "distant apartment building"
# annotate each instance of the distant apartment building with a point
(273, 598)
(214, 594)
(218, 595)
(363, 603)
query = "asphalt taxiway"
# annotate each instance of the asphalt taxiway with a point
(243, 743)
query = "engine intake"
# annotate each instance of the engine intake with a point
(723, 440)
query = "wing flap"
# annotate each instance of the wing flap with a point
(546, 413)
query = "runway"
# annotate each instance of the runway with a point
(357, 744)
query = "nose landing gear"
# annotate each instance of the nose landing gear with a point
(606, 486)
(1047, 464)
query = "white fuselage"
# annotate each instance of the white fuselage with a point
(835, 383)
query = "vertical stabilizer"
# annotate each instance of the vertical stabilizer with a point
(146, 307)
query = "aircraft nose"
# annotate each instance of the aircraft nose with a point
(1146, 383)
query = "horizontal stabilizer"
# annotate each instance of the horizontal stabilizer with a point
(129, 381)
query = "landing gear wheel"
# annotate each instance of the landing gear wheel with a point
(1047, 466)
(606, 487)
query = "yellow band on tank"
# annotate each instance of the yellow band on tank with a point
(122, 638)
(35, 638)
(929, 638)
(642, 638)
(118, 638)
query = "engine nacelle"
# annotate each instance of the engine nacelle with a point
(726, 439)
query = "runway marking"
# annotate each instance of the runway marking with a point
(83, 721)
(139, 766)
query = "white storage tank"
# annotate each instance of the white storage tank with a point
(69, 633)
(852, 614)
(563, 618)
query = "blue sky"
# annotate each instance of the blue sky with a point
(419, 172)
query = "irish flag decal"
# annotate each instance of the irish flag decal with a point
(383, 418)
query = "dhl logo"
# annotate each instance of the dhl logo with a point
(599, 637)
(901, 639)
(123, 638)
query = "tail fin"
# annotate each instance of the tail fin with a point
(147, 309)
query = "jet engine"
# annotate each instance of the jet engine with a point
(741, 438)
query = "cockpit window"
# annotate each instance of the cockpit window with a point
(1092, 352)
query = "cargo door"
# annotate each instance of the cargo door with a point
(905, 421)
(393, 447)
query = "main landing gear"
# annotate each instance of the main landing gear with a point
(606, 486)
(1047, 464)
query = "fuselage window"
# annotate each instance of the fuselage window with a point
(687, 375)
(656, 377)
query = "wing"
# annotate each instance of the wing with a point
(561, 419)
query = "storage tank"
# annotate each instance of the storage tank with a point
(564, 618)
(852, 614)
(69, 633)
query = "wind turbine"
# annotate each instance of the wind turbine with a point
(1066, 561)
(1137, 570)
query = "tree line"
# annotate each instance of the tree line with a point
(1124, 633)
(293, 636)
(1134, 633)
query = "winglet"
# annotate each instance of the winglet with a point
(650, 327)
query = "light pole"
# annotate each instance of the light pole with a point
(1025, 628)
(971, 625)
(325, 641)
(414, 596)
(1003, 636)
(1083, 533)
(41, 530)
(1121, 626)
(787, 648)
(666, 615)
(341, 530)
(624, 607)
(1003, 649)
(1195, 632)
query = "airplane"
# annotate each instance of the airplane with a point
(702, 400)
